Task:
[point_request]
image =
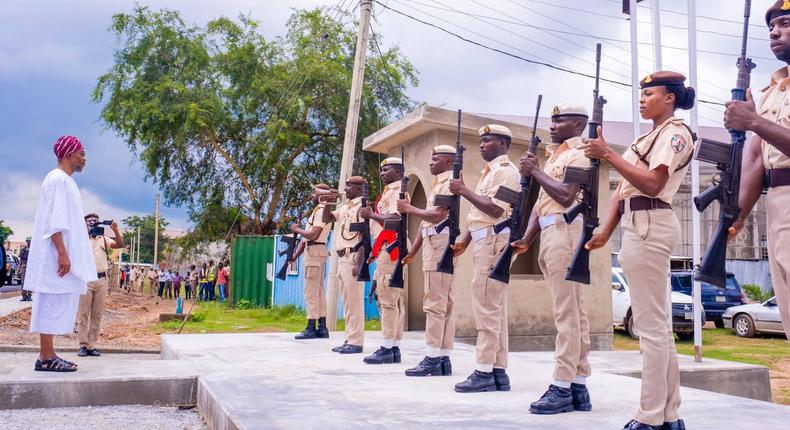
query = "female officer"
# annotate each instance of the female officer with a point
(651, 171)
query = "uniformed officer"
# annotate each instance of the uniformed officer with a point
(768, 152)
(315, 234)
(651, 171)
(558, 241)
(489, 297)
(437, 300)
(353, 292)
(393, 311)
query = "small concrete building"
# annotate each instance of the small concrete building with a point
(531, 322)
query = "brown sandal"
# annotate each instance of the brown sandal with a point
(54, 364)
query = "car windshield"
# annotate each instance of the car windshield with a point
(684, 283)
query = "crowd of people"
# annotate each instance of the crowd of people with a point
(204, 282)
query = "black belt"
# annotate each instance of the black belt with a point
(778, 177)
(344, 251)
(101, 275)
(311, 243)
(642, 203)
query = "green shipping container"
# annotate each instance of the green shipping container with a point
(252, 270)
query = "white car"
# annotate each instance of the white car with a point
(747, 320)
(682, 309)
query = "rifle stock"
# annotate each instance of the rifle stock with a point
(453, 205)
(293, 242)
(587, 179)
(727, 159)
(518, 201)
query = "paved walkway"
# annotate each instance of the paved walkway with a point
(255, 381)
(12, 304)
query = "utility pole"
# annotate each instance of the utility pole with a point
(655, 10)
(131, 251)
(696, 240)
(636, 118)
(137, 251)
(349, 143)
(156, 232)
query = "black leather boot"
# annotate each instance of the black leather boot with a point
(554, 401)
(581, 398)
(396, 354)
(380, 356)
(339, 347)
(309, 332)
(636, 425)
(429, 366)
(477, 382)
(502, 380)
(675, 425)
(447, 366)
(322, 331)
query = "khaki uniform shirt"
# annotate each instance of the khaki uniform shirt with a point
(559, 157)
(99, 245)
(775, 106)
(673, 147)
(387, 204)
(497, 172)
(346, 214)
(314, 220)
(440, 186)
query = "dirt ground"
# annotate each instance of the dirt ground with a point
(127, 322)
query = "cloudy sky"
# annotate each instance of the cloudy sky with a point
(51, 53)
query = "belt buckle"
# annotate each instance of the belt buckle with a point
(653, 203)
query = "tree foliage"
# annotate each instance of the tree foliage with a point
(146, 225)
(5, 233)
(232, 125)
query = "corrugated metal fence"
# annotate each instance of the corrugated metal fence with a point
(291, 290)
(752, 272)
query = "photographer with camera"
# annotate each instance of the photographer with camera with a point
(92, 302)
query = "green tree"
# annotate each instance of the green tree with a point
(221, 111)
(146, 225)
(5, 233)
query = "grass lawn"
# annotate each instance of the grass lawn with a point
(770, 351)
(213, 317)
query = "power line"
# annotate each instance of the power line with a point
(509, 54)
(542, 44)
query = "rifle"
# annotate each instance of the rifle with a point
(293, 243)
(401, 225)
(453, 204)
(587, 180)
(363, 228)
(519, 214)
(727, 159)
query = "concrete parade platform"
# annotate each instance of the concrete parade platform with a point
(262, 381)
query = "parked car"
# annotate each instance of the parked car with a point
(4, 266)
(748, 320)
(10, 268)
(682, 310)
(715, 300)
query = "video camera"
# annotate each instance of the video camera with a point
(96, 228)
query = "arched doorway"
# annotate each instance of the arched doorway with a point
(415, 317)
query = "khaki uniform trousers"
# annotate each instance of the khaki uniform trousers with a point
(437, 301)
(572, 344)
(391, 306)
(90, 312)
(778, 226)
(648, 240)
(314, 295)
(489, 303)
(353, 293)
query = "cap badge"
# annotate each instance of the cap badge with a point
(556, 110)
(649, 78)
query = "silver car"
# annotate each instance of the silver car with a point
(747, 320)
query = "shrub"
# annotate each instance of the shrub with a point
(245, 304)
(754, 292)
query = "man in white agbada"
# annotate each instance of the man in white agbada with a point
(60, 263)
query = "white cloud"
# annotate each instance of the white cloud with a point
(20, 198)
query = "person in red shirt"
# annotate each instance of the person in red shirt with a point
(222, 280)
